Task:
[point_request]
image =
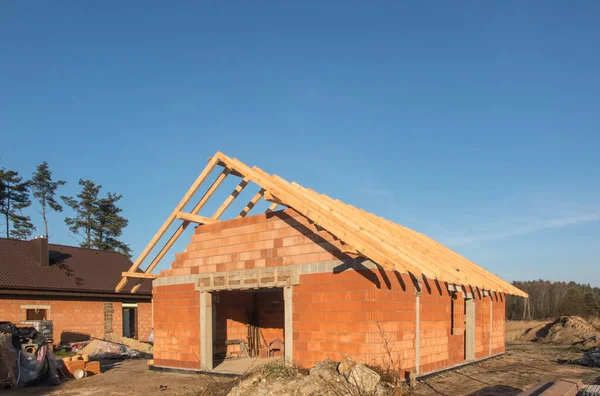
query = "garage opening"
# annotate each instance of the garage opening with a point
(248, 328)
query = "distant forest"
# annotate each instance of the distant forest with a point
(551, 299)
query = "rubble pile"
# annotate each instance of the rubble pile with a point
(327, 378)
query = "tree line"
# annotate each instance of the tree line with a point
(97, 222)
(551, 299)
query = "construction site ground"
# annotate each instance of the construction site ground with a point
(523, 364)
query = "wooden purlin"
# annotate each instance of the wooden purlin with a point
(161, 231)
(372, 242)
(251, 204)
(342, 229)
(367, 231)
(494, 279)
(308, 209)
(478, 276)
(384, 236)
(497, 283)
(183, 226)
(425, 251)
(402, 250)
(419, 251)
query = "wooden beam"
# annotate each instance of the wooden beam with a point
(272, 198)
(182, 227)
(195, 218)
(251, 204)
(142, 275)
(229, 200)
(233, 171)
(271, 208)
(161, 231)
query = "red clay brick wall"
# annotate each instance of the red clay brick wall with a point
(348, 314)
(177, 326)
(498, 322)
(264, 240)
(73, 316)
(144, 320)
(439, 347)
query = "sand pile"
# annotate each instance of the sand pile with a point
(569, 330)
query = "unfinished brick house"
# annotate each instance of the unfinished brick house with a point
(326, 278)
(73, 287)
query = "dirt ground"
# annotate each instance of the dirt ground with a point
(524, 364)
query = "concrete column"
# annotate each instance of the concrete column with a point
(206, 329)
(418, 294)
(288, 331)
(491, 323)
(470, 329)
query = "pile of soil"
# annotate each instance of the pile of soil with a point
(569, 330)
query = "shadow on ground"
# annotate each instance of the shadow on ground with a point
(496, 390)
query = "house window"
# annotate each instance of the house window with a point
(36, 314)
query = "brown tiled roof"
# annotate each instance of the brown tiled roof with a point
(71, 269)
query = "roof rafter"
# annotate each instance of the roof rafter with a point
(355, 231)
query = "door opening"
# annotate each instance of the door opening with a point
(130, 322)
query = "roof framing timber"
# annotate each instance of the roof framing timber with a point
(355, 231)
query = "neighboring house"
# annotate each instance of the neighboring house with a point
(73, 287)
(328, 279)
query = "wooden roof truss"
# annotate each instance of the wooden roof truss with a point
(390, 245)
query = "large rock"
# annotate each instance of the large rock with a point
(358, 375)
(346, 366)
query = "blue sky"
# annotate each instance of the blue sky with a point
(476, 123)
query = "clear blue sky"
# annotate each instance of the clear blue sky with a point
(477, 123)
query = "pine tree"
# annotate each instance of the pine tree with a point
(97, 219)
(14, 197)
(109, 226)
(44, 190)
(85, 207)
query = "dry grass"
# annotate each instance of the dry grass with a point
(595, 322)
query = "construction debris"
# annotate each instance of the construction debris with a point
(25, 356)
(136, 345)
(590, 358)
(325, 378)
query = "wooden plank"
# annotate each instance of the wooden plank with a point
(142, 275)
(161, 231)
(251, 204)
(182, 227)
(229, 200)
(195, 218)
(272, 208)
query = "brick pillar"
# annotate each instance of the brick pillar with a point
(108, 317)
